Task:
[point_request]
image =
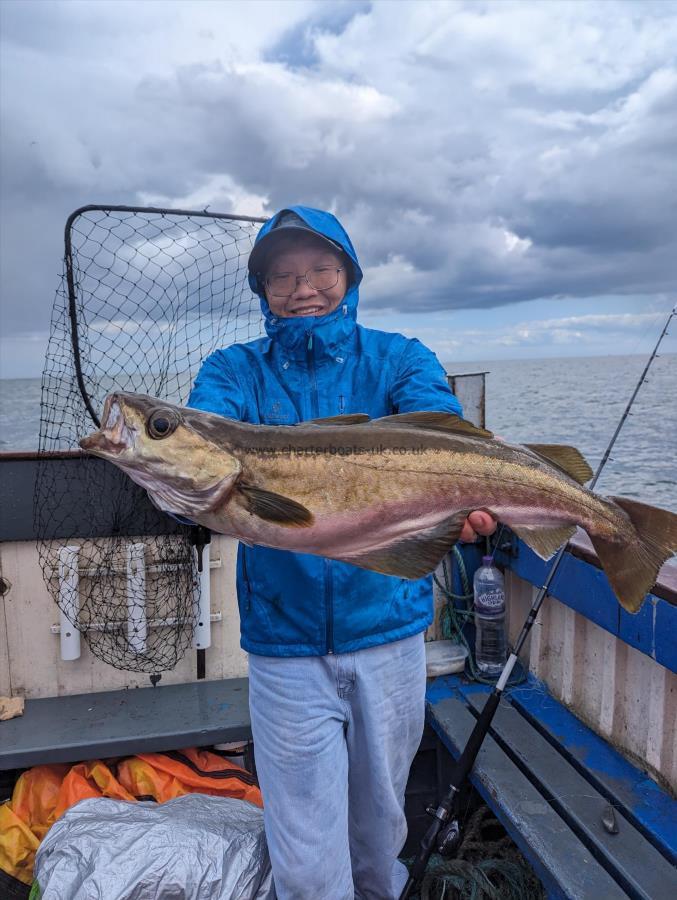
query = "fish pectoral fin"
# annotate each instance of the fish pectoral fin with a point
(274, 507)
(437, 421)
(568, 459)
(414, 556)
(544, 541)
(346, 419)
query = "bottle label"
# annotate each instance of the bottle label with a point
(490, 600)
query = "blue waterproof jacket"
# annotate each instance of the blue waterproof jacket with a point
(294, 604)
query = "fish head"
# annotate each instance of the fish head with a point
(153, 443)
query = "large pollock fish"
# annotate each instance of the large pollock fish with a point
(388, 494)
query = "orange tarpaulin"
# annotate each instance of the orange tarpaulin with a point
(44, 793)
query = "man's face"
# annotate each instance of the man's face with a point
(289, 263)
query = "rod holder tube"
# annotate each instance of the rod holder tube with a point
(69, 602)
(137, 623)
(202, 638)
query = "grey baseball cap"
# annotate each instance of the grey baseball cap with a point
(287, 224)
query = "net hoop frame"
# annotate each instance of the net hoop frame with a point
(148, 601)
(70, 277)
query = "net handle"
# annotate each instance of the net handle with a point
(70, 277)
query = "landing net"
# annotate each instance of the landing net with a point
(145, 296)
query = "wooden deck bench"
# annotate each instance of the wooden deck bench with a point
(120, 723)
(551, 781)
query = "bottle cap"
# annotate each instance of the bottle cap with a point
(487, 560)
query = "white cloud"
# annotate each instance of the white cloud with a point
(218, 192)
(480, 153)
(515, 244)
(619, 321)
(566, 335)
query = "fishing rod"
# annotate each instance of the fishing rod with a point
(444, 833)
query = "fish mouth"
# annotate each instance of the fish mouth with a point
(101, 445)
(114, 436)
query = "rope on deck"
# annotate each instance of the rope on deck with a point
(488, 866)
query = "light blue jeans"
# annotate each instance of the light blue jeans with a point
(334, 738)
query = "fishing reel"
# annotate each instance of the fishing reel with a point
(449, 836)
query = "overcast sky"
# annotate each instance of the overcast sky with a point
(507, 170)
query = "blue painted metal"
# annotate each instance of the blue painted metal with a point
(553, 889)
(665, 635)
(632, 856)
(585, 588)
(561, 861)
(651, 808)
(442, 687)
(638, 630)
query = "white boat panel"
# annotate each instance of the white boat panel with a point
(30, 658)
(137, 622)
(620, 692)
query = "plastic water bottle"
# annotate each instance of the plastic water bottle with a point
(490, 641)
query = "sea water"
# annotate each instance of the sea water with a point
(580, 402)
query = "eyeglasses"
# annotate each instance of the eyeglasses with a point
(322, 278)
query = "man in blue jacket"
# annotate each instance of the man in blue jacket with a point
(337, 663)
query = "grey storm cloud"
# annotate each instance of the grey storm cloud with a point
(478, 153)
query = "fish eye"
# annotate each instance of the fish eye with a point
(162, 423)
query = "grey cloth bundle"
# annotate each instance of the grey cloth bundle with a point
(195, 847)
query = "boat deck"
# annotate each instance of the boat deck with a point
(559, 789)
(590, 823)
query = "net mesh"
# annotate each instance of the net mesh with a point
(145, 296)
(487, 866)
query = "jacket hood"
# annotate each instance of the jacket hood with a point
(327, 331)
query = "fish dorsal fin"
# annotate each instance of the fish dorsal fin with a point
(544, 541)
(274, 507)
(414, 556)
(437, 421)
(568, 459)
(346, 419)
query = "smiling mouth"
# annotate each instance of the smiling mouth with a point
(307, 310)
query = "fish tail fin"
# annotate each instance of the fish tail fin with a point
(632, 567)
